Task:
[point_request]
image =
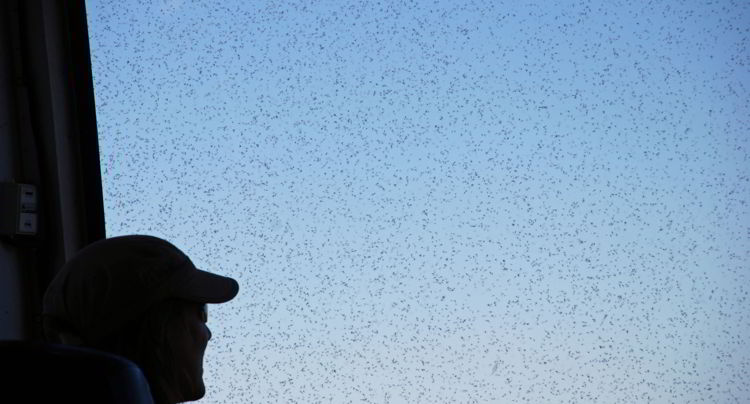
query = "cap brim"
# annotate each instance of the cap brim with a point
(206, 287)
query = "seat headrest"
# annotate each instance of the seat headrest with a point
(40, 372)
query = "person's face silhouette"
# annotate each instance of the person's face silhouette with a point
(189, 346)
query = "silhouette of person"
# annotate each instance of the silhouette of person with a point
(142, 298)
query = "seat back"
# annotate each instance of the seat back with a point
(39, 372)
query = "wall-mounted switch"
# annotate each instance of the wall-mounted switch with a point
(18, 210)
(27, 223)
(27, 197)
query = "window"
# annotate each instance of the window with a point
(438, 203)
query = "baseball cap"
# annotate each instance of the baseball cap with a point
(111, 282)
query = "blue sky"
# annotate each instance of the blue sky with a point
(439, 201)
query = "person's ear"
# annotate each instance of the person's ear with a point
(70, 339)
